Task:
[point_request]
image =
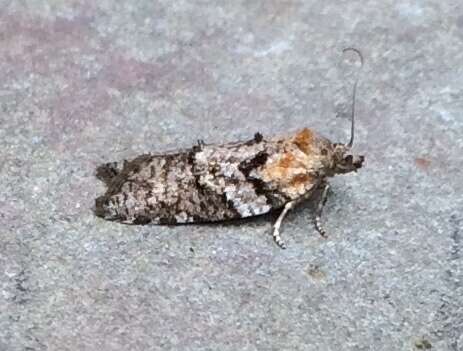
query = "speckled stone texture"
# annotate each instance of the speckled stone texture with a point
(86, 82)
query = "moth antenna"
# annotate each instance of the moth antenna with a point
(354, 92)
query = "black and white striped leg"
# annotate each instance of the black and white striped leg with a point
(277, 225)
(318, 214)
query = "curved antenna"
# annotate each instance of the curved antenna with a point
(354, 92)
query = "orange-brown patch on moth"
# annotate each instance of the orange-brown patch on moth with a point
(287, 161)
(283, 168)
(304, 140)
(300, 179)
(299, 183)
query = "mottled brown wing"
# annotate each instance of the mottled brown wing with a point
(203, 184)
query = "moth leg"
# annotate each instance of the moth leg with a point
(277, 225)
(318, 213)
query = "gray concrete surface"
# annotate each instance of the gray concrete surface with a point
(83, 82)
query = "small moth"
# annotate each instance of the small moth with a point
(209, 183)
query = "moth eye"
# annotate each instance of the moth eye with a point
(324, 152)
(349, 158)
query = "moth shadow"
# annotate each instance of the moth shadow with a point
(269, 217)
(305, 208)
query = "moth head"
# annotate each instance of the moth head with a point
(104, 208)
(344, 160)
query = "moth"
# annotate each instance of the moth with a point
(209, 183)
